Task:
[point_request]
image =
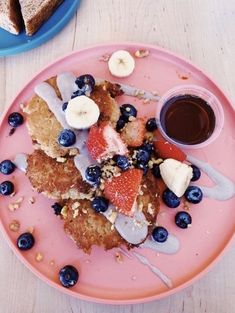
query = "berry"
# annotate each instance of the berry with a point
(151, 124)
(57, 208)
(170, 199)
(159, 234)
(100, 204)
(67, 138)
(143, 167)
(142, 156)
(183, 219)
(122, 190)
(120, 124)
(25, 241)
(15, 119)
(196, 173)
(93, 174)
(77, 93)
(193, 194)
(122, 161)
(156, 171)
(128, 110)
(103, 141)
(64, 106)
(133, 133)
(86, 84)
(148, 146)
(6, 188)
(167, 150)
(68, 276)
(7, 167)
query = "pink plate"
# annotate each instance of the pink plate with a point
(102, 278)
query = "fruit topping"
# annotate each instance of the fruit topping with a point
(196, 173)
(103, 142)
(120, 124)
(6, 188)
(86, 84)
(57, 208)
(68, 276)
(133, 133)
(122, 190)
(93, 174)
(128, 111)
(170, 199)
(183, 219)
(67, 138)
(82, 112)
(15, 119)
(156, 171)
(159, 234)
(122, 162)
(7, 167)
(100, 204)
(151, 124)
(193, 194)
(167, 150)
(25, 241)
(121, 63)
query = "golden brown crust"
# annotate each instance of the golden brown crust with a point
(89, 228)
(15, 15)
(56, 180)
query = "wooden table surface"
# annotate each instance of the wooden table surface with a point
(200, 30)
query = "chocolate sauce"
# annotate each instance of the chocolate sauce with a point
(187, 119)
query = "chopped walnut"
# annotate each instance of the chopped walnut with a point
(104, 57)
(31, 229)
(64, 211)
(39, 257)
(75, 213)
(31, 200)
(119, 257)
(75, 205)
(14, 226)
(52, 263)
(142, 53)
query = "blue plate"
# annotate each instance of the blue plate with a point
(12, 44)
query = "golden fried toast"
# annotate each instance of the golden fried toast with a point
(56, 180)
(44, 128)
(88, 228)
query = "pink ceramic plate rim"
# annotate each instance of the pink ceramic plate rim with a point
(103, 300)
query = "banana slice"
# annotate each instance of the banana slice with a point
(82, 112)
(121, 63)
(176, 175)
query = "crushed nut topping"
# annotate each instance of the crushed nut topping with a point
(15, 205)
(142, 53)
(14, 226)
(119, 257)
(31, 200)
(39, 257)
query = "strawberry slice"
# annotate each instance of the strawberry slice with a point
(167, 150)
(122, 190)
(103, 142)
(133, 133)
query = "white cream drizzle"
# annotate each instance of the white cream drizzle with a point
(170, 246)
(224, 188)
(20, 161)
(66, 84)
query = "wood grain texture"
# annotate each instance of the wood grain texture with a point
(202, 31)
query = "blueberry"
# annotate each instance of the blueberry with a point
(86, 84)
(15, 119)
(142, 156)
(57, 208)
(25, 241)
(148, 146)
(100, 204)
(120, 124)
(128, 110)
(183, 219)
(6, 188)
(68, 276)
(143, 167)
(159, 234)
(196, 173)
(77, 93)
(67, 138)
(151, 124)
(7, 167)
(122, 161)
(156, 171)
(64, 106)
(93, 174)
(193, 194)
(170, 199)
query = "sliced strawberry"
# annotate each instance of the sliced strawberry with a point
(103, 142)
(122, 190)
(133, 133)
(167, 150)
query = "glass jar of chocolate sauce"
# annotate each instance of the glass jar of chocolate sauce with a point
(190, 116)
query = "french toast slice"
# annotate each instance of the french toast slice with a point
(56, 180)
(10, 16)
(44, 128)
(87, 228)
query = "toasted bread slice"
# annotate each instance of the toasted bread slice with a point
(88, 228)
(44, 128)
(36, 12)
(56, 180)
(10, 16)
